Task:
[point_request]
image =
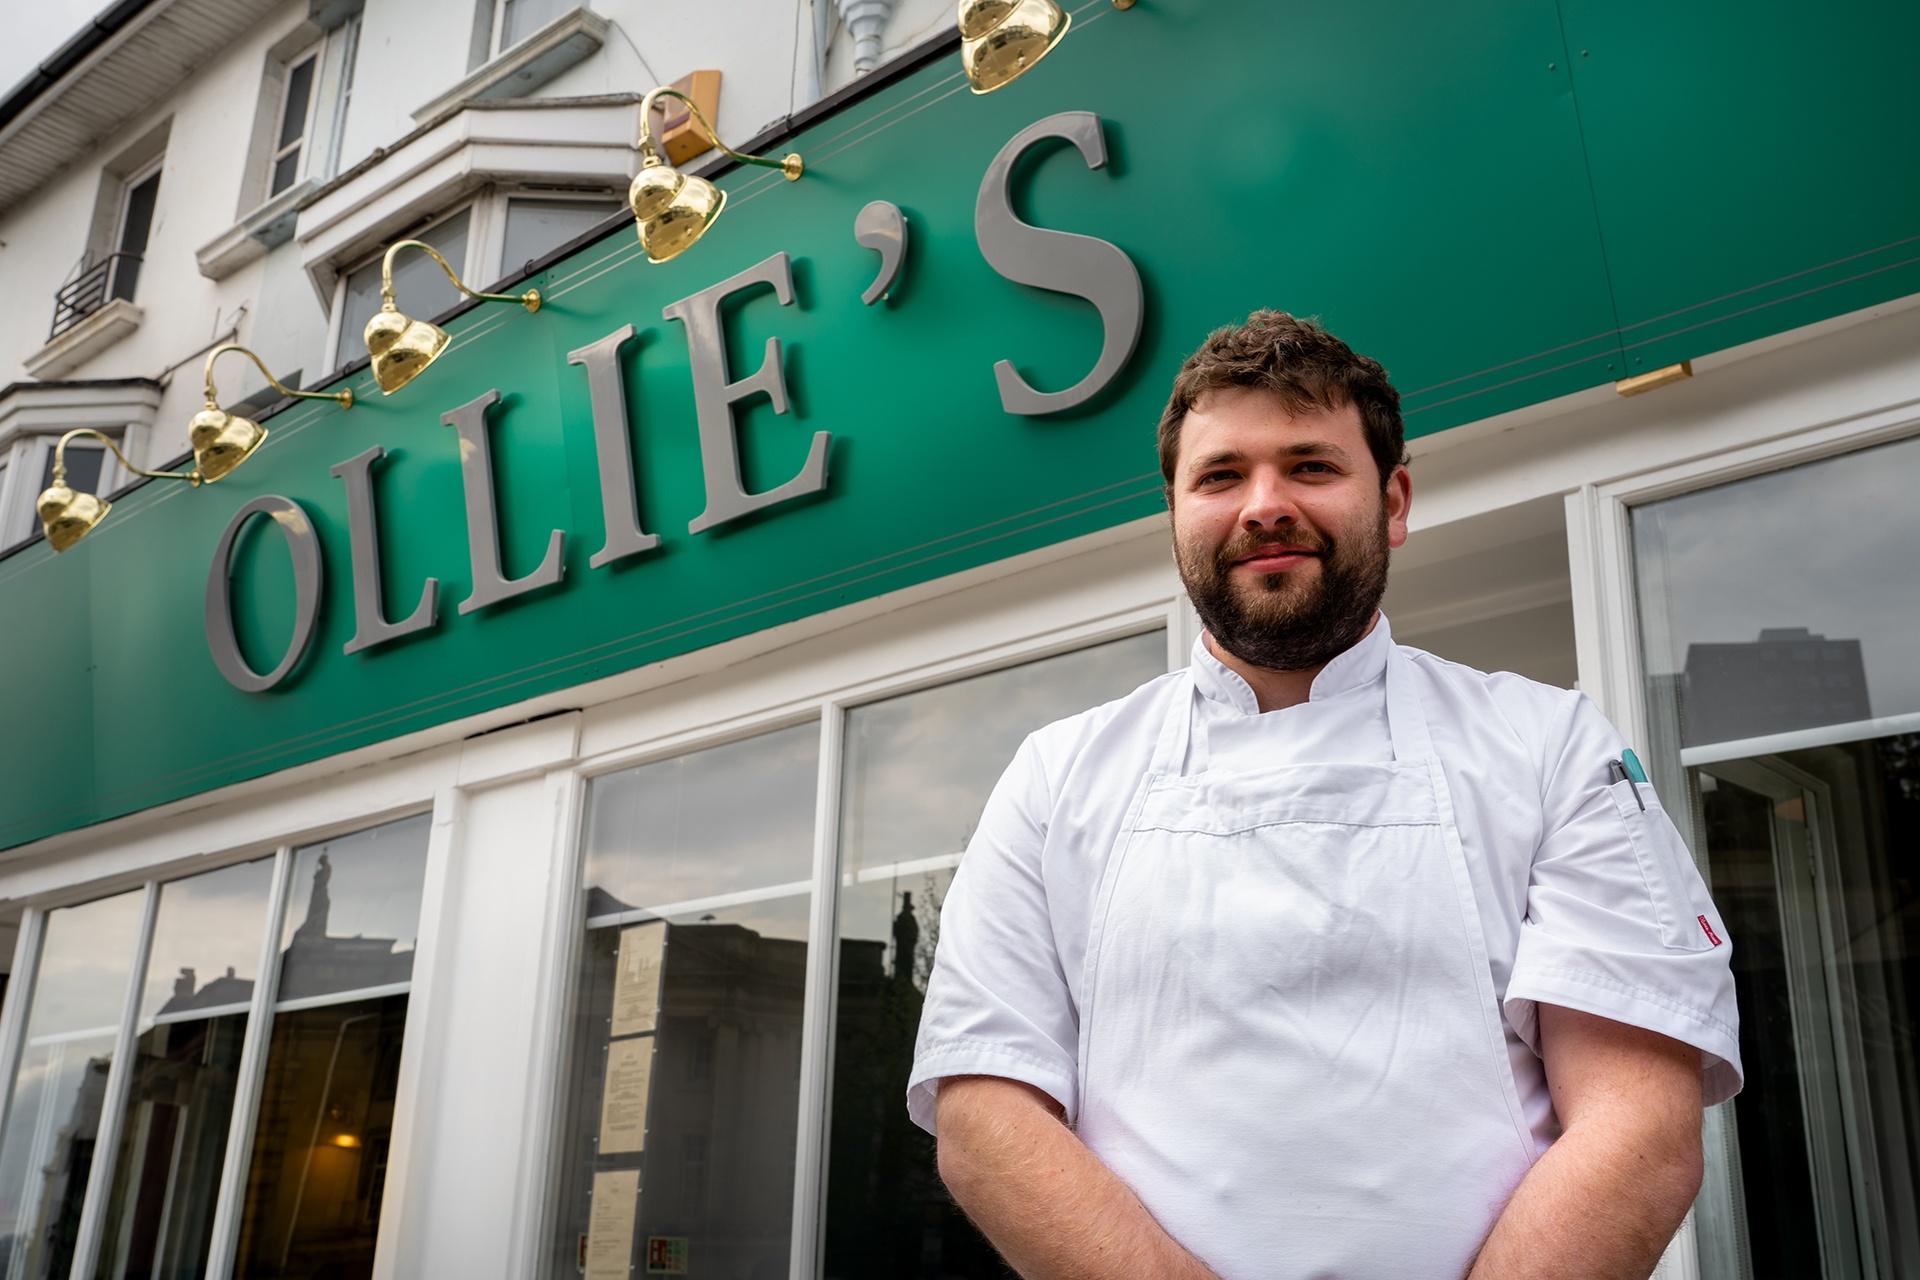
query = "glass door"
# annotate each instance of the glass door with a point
(1780, 641)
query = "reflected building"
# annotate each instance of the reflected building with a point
(318, 963)
(1788, 679)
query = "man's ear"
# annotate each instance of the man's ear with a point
(1398, 497)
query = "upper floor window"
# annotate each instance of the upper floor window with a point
(515, 20)
(536, 227)
(296, 120)
(136, 225)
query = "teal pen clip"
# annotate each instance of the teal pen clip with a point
(1627, 769)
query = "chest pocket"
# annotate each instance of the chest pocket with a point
(1687, 919)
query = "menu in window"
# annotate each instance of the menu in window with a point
(610, 1225)
(623, 1107)
(636, 978)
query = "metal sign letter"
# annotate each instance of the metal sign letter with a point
(370, 625)
(714, 397)
(608, 393)
(1059, 261)
(490, 583)
(308, 575)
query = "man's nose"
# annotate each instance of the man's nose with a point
(1268, 504)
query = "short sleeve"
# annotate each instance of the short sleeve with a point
(997, 1001)
(1619, 923)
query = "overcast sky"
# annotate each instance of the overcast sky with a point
(35, 28)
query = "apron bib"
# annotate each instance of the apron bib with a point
(1290, 1047)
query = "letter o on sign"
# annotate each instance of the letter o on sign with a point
(307, 576)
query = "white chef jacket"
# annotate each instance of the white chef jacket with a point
(1585, 901)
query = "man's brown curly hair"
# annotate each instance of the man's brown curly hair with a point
(1299, 362)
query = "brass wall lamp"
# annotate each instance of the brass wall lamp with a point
(67, 516)
(1001, 40)
(674, 209)
(221, 442)
(401, 346)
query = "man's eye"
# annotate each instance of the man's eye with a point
(1316, 468)
(1214, 476)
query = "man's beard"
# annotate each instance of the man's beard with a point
(1285, 622)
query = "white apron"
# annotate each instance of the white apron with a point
(1289, 1042)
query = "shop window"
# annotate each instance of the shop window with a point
(139, 1148)
(918, 770)
(190, 1028)
(60, 1085)
(536, 227)
(1780, 638)
(684, 1108)
(295, 122)
(416, 277)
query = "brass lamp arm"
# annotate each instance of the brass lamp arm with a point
(792, 166)
(344, 397)
(60, 460)
(530, 299)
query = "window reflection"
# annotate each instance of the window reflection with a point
(354, 911)
(918, 771)
(1777, 603)
(46, 1153)
(318, 1168)
(192, 1025)
(684, 1106)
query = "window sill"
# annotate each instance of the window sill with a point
(567, 40)
(249, 239)
(85, 340)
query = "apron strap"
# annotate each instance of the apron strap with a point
(1170, 751)
(1406, 718)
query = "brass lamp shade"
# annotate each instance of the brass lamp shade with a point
(672, 231)
(222, 441)
(1001, 40)
(401, 347)
(67, 516)
(654, 188)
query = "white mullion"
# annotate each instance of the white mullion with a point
(816, 1028)
(106, 1146)
(230, 1196)
(552, 1058)
(13, 1018)
(430, 988)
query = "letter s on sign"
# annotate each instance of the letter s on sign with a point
(1059, 261)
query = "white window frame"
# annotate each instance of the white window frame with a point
(230, 1195)
(497, 45)
(302, 144)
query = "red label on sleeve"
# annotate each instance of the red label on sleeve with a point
(1712, 937)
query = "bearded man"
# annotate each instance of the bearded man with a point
(1323, 957)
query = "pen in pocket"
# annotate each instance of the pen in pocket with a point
(1619, 772)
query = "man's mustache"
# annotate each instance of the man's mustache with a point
(1245, 544)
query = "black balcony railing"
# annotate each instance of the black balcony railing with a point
(111, 277)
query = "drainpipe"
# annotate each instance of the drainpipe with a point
(866, 19)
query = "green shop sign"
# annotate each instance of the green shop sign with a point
(948, 343)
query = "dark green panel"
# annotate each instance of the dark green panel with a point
(1753, 162)
(1412, 175)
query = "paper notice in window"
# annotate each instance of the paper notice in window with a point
(636, 979)
(623, 1108)
(610, 1225)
